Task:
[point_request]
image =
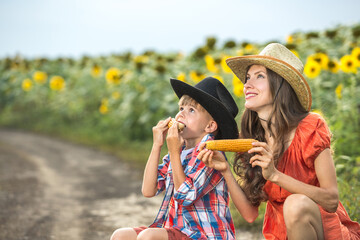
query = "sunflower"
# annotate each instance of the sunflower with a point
(338, 91)
(348, 64)
(249, 48)
(57, 83)
(356, 55)
(238, 87)
(196, 76)
(290, 39)
(96, 70)
(321, 58)
(40, 77)
(220, 78)
(181, 77)
(240, 52)
(113, 75)
(295, 53)
(103, 109)
(223, 64)
(27, 84)
(210, 64)
(141, 59)
(239, 90)
(333, 66)
(236, 80)
(312, 69)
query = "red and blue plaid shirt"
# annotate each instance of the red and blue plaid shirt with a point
(200, 207)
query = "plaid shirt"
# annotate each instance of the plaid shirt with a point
(200, 207)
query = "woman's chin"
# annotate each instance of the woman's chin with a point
(249, 106)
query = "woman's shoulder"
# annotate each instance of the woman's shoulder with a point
(314, 126)
(313, 117)
(312, 136)
(312, 121)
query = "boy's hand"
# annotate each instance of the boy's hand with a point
(159, 132)
(212, 159)
(174, 140)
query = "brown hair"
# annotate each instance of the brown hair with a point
(187, 100)
(287, 112)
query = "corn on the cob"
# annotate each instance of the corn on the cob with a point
(230, 145)
(181, 126)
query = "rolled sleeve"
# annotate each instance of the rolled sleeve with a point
(162, 172)
(318, 136)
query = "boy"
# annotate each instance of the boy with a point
(196, 201)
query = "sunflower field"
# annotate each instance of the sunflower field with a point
(113, 101)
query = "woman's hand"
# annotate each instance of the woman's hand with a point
(263, 158)
(212, 159)
(159, 131)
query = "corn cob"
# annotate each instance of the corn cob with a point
(181, 126)
(230, 145)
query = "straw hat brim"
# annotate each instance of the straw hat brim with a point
(297, 81)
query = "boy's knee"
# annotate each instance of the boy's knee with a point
(152, 234)
(116, 234)
(146, 235)
(123, 233)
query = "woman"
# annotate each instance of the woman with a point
(291, 165)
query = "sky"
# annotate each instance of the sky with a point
(74, 28)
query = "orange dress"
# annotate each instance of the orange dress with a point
(312, 136)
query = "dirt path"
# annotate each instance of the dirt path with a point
(51, 189)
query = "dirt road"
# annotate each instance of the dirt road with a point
(51, 189)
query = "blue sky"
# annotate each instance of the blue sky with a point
(72, 28)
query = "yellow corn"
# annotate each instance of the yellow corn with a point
(230, 145)
(181, 126)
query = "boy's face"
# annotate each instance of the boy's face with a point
(195, 118)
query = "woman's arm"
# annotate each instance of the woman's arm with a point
(216, 160)
(242, 204)
(326, 195)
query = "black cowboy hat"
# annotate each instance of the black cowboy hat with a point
(212, 95)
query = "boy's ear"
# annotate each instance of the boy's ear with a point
(211, 127)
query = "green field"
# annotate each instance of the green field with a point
(113, 101)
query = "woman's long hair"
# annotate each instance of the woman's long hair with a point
(287, 112)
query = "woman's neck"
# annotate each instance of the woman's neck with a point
(264, 115)
(264, 120)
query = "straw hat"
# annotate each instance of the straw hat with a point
(280, 60)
